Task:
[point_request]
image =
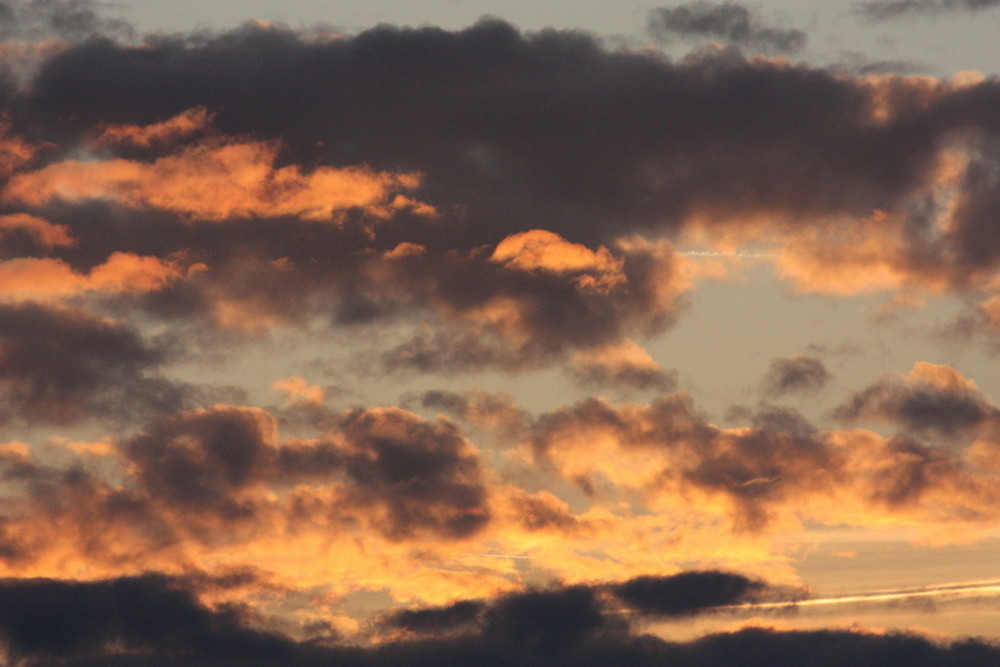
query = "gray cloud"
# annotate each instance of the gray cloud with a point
(882, 10)
(798, 374)
(729, 22)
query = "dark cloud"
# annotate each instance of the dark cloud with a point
(197, 460)
(930, 399)
(155, 620)
(531, 142)
(424, 475)
(729, 21)
(436, 620)
(61, 365)
(687, 593)
(44, 619)
(533, 139)
(799, 374)
(881, 10)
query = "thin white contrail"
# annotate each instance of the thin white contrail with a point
(726, 253)
(497, 556)
(956, 590)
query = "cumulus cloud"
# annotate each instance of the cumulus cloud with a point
(799, 374)
(775, 471)
(927, 398)
(61, 365)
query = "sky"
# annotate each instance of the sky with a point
(456, 332)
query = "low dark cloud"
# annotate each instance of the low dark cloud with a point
(46, 619)
(152, 619)
(729, 22)
(795, 375)
(882, 10)
(688, 593)
(436, 620)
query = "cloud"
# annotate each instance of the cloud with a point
(799, 374)
(686, 594)
(533, 306)
(730, 22)
(929, 398)
(73, 20)
(425, 475)
(451, 202)
(664, 454)
(525, 141)
(410, 476)
(148, 615)
(215, 180)
(159, 621)
(882, 10)
(61, 365)
(886, 178)
(29, 229)
(625, 366)
(436, 620)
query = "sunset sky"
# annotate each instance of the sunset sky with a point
(522, 333)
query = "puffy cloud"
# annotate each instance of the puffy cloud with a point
(547, 298)
(407, 475)
(730, 22)
(664, 454)
(795, 374)
(626, 365)
(929, 398)
(60, 365)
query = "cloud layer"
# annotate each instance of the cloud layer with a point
(424, 209)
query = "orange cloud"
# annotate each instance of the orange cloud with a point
(299, 391)
(541, 250)
(121, 272)
(217, 179)
(158, 135)
(46, 234)
(15, 152)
